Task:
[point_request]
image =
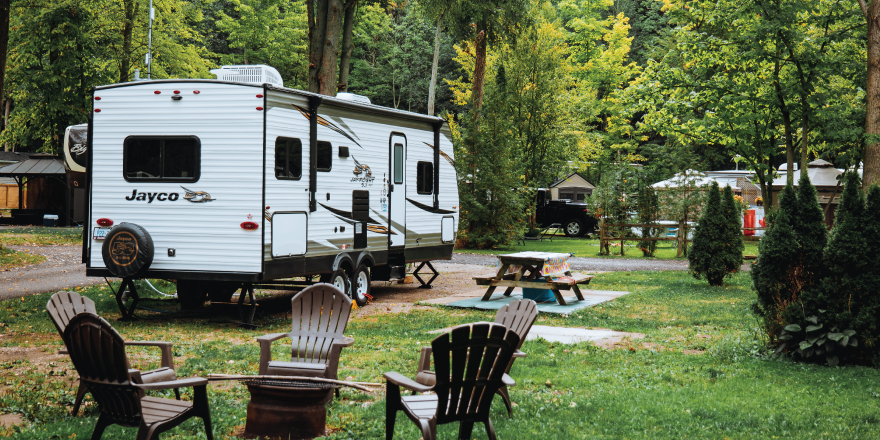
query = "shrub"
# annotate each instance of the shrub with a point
(649, 213)
(707, 258)
(733, 241)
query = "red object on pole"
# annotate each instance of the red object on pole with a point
(749, 222)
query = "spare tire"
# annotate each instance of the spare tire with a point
(127, 250)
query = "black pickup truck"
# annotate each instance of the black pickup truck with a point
(575, 218)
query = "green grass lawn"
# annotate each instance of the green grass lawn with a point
(10, 258)
(700, 372)
(589, 247)
(41, 236)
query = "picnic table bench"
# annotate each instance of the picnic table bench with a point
(526, 267)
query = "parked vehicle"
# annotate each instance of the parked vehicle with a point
(574, 217)
(240, 180)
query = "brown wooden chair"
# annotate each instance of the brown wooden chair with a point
(320, 315)
(64, 305)
(469, 362)
(98, 353)
(518, 316)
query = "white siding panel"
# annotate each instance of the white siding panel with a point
(206, 236)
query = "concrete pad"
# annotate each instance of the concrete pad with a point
(573, 335)
(473, 299)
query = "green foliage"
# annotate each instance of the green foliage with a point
(817, 342)
(732, 237)
(708, 257)
(649, 212)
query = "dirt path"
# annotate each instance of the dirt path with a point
(62, 269)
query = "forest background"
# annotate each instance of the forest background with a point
(532, 89)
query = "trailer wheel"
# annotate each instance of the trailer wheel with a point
(360, 286)
(339, 279)
(127, 250)
(574, 228)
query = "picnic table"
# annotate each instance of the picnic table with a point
(523, 268)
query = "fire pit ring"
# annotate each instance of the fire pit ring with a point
(287, 409)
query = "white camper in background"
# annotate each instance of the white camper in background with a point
(224, 184)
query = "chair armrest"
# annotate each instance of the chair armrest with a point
(135, 376)
(179, 383)
(508, 381)
(344, 342)
(518, 354)
(165, 347)
(425, 359)
(405, 382)
(266, 349)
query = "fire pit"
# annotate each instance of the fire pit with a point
(287, 409)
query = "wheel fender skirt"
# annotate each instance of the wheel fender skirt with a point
(365, 258)
(341, 259)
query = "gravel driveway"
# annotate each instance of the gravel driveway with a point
(62, 269)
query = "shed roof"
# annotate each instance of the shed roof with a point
(576, 178)
(819, 176)
(36, 165)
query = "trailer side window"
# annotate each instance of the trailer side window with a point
(398, 163)
(288, 158)
(325, 156)
(425, 178)
(161, 158)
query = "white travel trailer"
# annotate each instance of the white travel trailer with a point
(229, 184)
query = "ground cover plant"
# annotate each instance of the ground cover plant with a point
(698, 373)
(10, 258)
(589, 248)
(40, 236)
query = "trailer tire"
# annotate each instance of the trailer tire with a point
(338, 279)
(127, 250)
(360, 285)
(574, 228)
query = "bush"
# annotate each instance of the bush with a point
(708, 257)
(733, 241)
(649, 213)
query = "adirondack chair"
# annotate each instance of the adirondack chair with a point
(63, 306)
(470, 362)
(98, 353)
(320, 315)
(518, 316)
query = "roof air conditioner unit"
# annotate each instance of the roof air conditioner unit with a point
(249, 73)
(360, 99)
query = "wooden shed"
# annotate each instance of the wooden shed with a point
(572, 187)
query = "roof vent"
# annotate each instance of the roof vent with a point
(249, 73)
(360, 99)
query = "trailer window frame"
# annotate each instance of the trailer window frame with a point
(424, 177)
(289, 147)
(327, 148)
(197, 158)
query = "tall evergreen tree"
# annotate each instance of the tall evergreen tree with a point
(649, 213)
(733, 241)
(706, 258)
(810, 232)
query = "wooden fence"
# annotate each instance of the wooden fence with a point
(680, 235)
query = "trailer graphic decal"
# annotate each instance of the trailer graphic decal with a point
(347, 214)
(430, 209)
(197, 196)
(328, 124)
(445, 156)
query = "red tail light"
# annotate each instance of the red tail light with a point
(249, 226)
(104, 222)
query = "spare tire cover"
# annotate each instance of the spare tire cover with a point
(127, 250)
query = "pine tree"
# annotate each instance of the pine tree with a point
(810, 232)
(772, 274)
(734, 245)
(706, 258)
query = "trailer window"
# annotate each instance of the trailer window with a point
(398, 163)
(325, 156)
(288, 158)
(425, 178)
(161, 158)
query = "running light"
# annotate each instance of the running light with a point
(249, 226)
(97, 110)
(196, 92)
(157, 92)
(259, 96)
(177, 92)
(97, 98)
(104, 222)
(259, 109)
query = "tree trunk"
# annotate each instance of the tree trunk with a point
(805, 132)
(786, 122)
(872, 113)
(327, 72)
(4, 44)
(317, 17)
(129, 13)
(432, 88)
(347, 28)
(480, 70)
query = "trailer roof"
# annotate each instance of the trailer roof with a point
(323, 99)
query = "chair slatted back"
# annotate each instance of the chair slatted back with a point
(320, 316)
(98, 354)
(518, 316)
(469, 362)
(64, 305)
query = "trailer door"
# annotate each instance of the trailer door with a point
(397, 191)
